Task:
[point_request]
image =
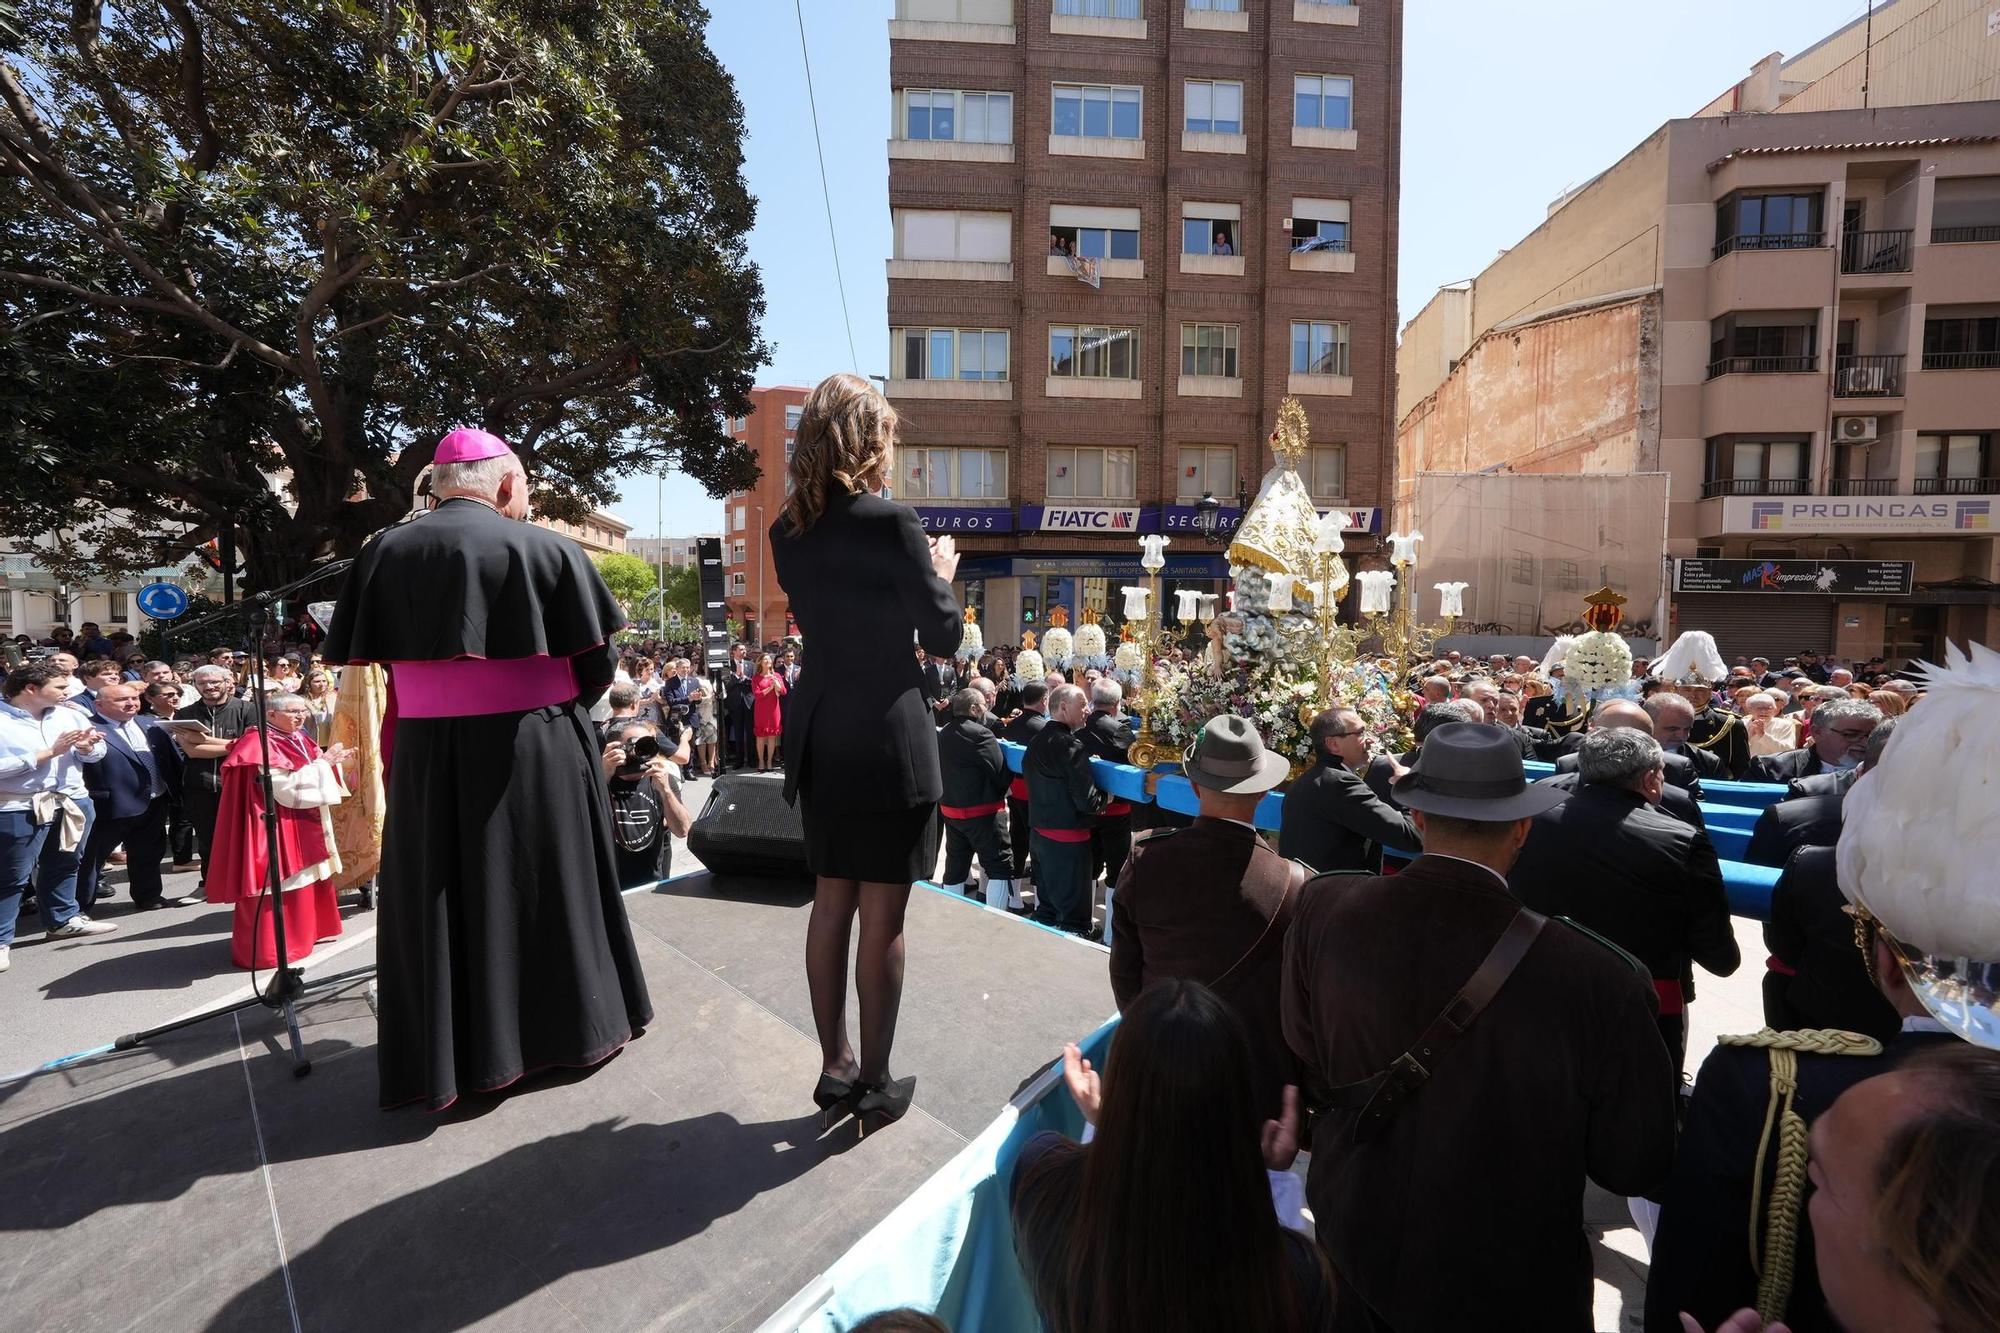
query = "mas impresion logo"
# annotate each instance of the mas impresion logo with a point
(1973, 514)
(1767, 515)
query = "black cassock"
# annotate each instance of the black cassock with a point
(503, 940)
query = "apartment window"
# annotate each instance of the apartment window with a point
(738, 525)
(1219, 6)
(1521, 569)
(956, 11)
(1210, 236)
(1326, 472)
(118, 612)
(1096, 111)
(791, 447)
(1204, 470)
(1319, 349)
(1095, 242)
(1213, 106)
(1310, 234)
(1957, 464)
(945, 354)
(1209, 349)
(793, 412)
(736, 584)
(1775, 221)
(1323, 101)
(736, 556)
(1091, 474)
(7, 607)
(1099, 9)
(952, 474)
(736, 425)
(1962, 343)
(1761, 349)
(1093, 352)
(923, 233)
(1766, 465)
(1966, 208)
(946, 114)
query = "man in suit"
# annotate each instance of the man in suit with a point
(1331, 821)
(1507, 713)
(1062, 803)
(131, 789)
(1834, 782)
(939, 679)
(1673, 723)
(1491, 1120)
(1034, 715)
(1624, 713)
(1211, 902)
(1840, 730)
(1108, 735)
(1649, 883)
(737, 706)
(974, 804)
(1719, 732)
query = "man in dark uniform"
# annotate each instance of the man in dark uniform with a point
(1646, 881)
(1491, 1121)
(938, 681)
(1720, 733)
(738, 708)
(1673, 724)
(1211, 902)
(974, 804)
(1062, 803)
(1108, 736)
(1034, 715)
(1331, 821)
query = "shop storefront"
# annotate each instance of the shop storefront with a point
(1779, 607)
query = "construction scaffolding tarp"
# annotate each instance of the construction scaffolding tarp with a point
(1533, 545)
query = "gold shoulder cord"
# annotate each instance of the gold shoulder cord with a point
(1771, 1260)
(1728, 721)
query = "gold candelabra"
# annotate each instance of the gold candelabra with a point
(1146, 749)
(1405, 639)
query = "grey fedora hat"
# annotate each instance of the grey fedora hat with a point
(1469, 770)
(1230, 757)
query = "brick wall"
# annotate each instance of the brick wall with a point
(764, 432)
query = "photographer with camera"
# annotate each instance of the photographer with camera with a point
(641, 768)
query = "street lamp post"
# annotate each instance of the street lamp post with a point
(761, 543)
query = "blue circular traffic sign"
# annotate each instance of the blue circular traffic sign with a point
(163, 601)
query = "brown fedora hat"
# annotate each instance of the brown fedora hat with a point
(1230, 757)
(1470, 770)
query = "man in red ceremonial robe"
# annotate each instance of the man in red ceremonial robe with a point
(307, 783)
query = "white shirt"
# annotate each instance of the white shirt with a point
(23, 736)
(1925, 1023)
(135, 736)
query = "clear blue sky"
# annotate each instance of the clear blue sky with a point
(1504, 106)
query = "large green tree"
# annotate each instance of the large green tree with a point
(257, 255)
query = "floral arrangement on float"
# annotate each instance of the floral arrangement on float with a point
(1128, 661)
(1089, 649)
(1028, 664)
(1058, 645)
(971, 642)
(1597, 665)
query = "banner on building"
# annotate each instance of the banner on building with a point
(1533, 545)
(937, 518)
(1860, 515)
(1892, 578)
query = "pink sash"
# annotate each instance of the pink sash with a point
(474, 687)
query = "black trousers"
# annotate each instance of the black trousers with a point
(985, 836)
(1110, 844)
(1018, 831)
(180, 831)
(1062, 883)
(201, 809)
(145, 839)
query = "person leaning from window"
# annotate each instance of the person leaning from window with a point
(645, 786)
(1164, 1221)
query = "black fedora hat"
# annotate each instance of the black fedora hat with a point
(1469, 770)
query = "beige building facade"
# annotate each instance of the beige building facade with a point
(1796, 315)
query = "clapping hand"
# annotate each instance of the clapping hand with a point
(1086, 1089)
(336, 755)
(1281, 1136)
(1743, 1321)
(944, 557)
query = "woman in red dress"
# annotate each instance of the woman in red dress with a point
(767, 719)
(306, 781)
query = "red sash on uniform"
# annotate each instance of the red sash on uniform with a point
(1116, 808)
(1780, 966)
(971, 811)
(1018, 789)
(1064, 834)
(1671, 1001)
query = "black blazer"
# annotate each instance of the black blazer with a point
(1825, 984)
(1785, 766)
(1707, 763)
(1833, 782)
(1680, 769)
(861, 586)
(1783, 828)
(1673, 800)
(1644, 880)
(1332, 821)
(118, 784)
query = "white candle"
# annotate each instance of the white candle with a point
(1153, 559)
(1135, 603)
(1326, 534)
(1403, 548)
(1376, 588)
(1451, 598)
(1187, 603)
(1281, 591)
(1208, 601)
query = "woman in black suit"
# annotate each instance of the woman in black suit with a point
(861, 758)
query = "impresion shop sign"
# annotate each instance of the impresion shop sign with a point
(1889, 578)
(1816, 514)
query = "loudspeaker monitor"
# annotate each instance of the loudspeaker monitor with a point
(747, 829)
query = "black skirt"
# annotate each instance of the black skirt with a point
(878, 846)
(503, 941)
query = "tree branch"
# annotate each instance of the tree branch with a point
(86, 21)
(95, 298)
(562, 384)
(435, 285)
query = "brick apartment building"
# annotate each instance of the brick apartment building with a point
(1229, 170)
(750, 587)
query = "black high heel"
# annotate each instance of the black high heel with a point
(883, 1103)
(830, 1094)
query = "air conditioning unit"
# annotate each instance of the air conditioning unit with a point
(1854, 430)
(1856, 381)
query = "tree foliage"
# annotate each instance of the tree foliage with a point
(630, 579)
(251, 240)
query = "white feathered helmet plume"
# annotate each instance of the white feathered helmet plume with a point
(1919, 844)
(1554, 657)
(1692, 659)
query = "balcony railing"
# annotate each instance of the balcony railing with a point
(1875, 252)
(1958, 486)
(1771, 240)
(1756, 486)
(1989, 231)
(1962, 360)
(1762, 365)
(1861, 486)
(1321, 244)
(1868, 376)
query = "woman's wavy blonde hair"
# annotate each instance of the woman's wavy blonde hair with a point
(845, 435)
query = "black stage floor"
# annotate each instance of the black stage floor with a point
(684, 1184)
